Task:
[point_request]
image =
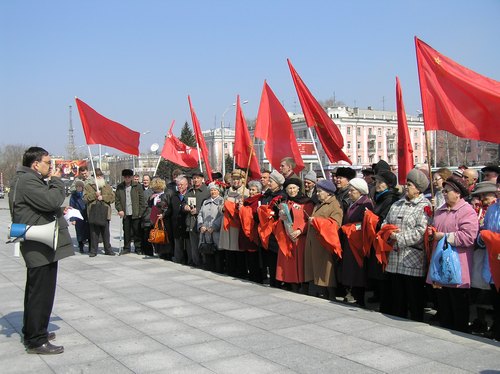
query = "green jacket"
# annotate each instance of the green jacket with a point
(137, 196)
(89, 195)
(33, 201)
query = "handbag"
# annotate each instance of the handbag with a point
(157, 234)
(205, 247)
(98, 214)
(445, 267)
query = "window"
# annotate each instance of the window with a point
(359, 160)
(416, 133)
(379, 131)
(348, 130)
(358, 131)
(416, 146)
(370, 131)
(359, 145)
(379, 145)
(348, 144)
(391, 145)
(416, 159)
(370, 159)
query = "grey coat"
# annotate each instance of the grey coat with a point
(210, 216)
(38, 203)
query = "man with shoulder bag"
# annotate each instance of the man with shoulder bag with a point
(37, 194)
(99, 196)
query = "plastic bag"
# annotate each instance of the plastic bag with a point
(445, 266)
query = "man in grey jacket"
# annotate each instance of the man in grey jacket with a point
(37, 194)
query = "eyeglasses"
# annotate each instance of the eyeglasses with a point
(446, 190)
(46, 162)
(437, 179)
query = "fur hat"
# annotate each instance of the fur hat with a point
(277, 177)
(359, 184)
(238, 173)
(197, 173)
(295, 181)
(345, 172)
(457, 184)
(127, 173)
(311, 176)
(326, 185)
(419, 179)
(388, 177)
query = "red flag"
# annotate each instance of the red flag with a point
(200, 140)
(179, 153)
(327, 233)
(243, 145)
(369, 226)
(100, 130)
(455, 98)
(405, 149)
(273, 125)
(492, 241)
(328, 133)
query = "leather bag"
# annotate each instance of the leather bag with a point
(157, 235)
(98, 214)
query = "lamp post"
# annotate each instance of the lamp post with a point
(133, 156)
(222, 127)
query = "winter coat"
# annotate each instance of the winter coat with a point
(461, 225)
(229, 239)
(146, 219)
(266, 200)
(81, 226)
(137, 197)
(200, 194)
(342, 196)
(33, 201)
(210, 216)
(90, 197)
(176, 215)
(318, 261)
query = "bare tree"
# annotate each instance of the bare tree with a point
(11, 156)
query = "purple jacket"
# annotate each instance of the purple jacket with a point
(462, 226)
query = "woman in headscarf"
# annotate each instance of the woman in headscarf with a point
(209, 225)
(294, 215)
(406, 266)
(319, 262)
(456, 220)
(352, 266)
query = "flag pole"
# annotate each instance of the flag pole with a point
(428, 146)
(317, 153)
(157, 165)
(248, 166)
(93, 167)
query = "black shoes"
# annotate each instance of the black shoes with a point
(109, 253)
(46, 349)
(91, 254)
(125, 251)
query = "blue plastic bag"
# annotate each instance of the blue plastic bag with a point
(445, 266)
(486, 273)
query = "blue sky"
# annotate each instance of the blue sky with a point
(135, 62)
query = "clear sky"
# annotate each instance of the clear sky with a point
(135, 61)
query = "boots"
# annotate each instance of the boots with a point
(80, 245)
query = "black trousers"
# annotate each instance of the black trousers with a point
(39, 296)
(408, 295)
(95, 232)
(453, 308)
(495, 300)
(132, 231)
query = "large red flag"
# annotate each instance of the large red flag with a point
(200, 140)
(244, 152)
(273, 125)
(328, 133)
(179, 153)
(405, 149)
(455, 98)
(100, 130)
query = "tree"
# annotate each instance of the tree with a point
(11, 156)
(187, 136)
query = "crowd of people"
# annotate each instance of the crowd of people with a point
(332, 238)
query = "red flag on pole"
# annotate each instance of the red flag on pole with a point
(179, 153)
(244, 152)
(328, 133)
(200, 140)
(455, 98)
(273, 125)
(100, 130)
(405, 149)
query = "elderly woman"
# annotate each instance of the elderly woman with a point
(406, 264)
(229, 236)
(248, 239)
(290, 268)
(76, 201)
(438, 178)
(209, 224)
(352, 271)
(319, 263)
(158, 205)
(458, 221)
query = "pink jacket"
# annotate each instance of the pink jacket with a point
(462, 226)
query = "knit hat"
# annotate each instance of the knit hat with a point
(277, 177)
(311, 176)
(457, 185)
(359, 184)
(419, 179)
(214, 186)
(388, 177)
(484, 187)
(79, 183)
(295, 181)
(326, 185)
(345, 172)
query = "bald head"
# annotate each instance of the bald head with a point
(470, 176)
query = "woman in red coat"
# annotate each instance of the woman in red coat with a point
(291, 234)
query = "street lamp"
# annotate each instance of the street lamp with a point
(133, 156)
(222, 127)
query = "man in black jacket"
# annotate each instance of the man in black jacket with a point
(37, 194)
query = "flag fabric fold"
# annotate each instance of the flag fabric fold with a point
(455, 98)
(492, 241)
(327, 233)
(101, 130)
(200, 140)
(354, 236)
(244, 152)
(369, 227)
(405, 149)
(381, 243)
(328, 133)
(179, 153)
(273, 126)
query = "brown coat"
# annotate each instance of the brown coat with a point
(318, 261)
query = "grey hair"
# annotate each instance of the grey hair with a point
(255, 184)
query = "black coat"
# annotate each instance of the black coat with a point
(266, 200)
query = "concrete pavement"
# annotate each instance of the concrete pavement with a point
(136, 314)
